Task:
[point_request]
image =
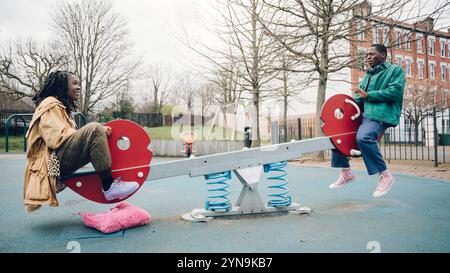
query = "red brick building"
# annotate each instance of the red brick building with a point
(422, 52)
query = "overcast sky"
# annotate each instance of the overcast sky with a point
(153, 24)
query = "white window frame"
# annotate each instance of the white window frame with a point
(444, 72)
(448, 48)
(445, 94)
(399, 57)
(448, 72)
(375, 35)
(398, 38)
(360, 28)
(432, 64)
(419, 41)
(385, 36)
(442, 43)
(431, 46)
(408, 73)
(362, 50)
(407, 40)
(434, 94)
(409, 91)
(420, 68)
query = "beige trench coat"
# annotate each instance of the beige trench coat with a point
(49, 128)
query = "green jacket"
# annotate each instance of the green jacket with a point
(385, 93)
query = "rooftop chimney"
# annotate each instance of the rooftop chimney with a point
(363, 9)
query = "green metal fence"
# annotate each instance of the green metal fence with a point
(24, 122)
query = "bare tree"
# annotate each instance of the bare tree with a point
(206, 94)
(123, 104)
(24, 66)
(228, 80)
(184, 91)
(318, 33)
(156, 90)
(247, 52)
(289, 88)
(96, 39)
(419, 102)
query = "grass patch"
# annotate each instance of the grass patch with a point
(217, 133)
(167, 133)
(15, 143)
(174, 133)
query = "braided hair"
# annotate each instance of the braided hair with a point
(57, 85)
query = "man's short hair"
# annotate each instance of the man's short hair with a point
(380, 48)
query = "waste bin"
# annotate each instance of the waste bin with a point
(444, 139)
(247, 137)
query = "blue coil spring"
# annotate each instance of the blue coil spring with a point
(279, 176)
(218, 184)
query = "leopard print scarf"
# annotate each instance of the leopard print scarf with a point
(53, 170)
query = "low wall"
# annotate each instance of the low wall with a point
(174, 148)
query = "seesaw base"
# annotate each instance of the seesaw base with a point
(203, 215)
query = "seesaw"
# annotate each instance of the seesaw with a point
(131, 157)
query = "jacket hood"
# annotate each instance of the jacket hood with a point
(43, 107)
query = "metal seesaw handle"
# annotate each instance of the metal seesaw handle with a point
(357, 109)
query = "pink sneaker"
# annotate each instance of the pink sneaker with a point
(346, 177)
(384, 184)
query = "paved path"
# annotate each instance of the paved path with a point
(413, 217)
(410, 167)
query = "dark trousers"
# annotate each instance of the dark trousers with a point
(367, 136)
(88, 144)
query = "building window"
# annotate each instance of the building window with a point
(398, 39)
(408, 67)
(443, 72)
(442, 43)
(399, 60)
(433, 96)
(408, 41)
(419, 43)
(361, 29)
(420, 69)
(361, 59)
(409, 92)
(375, 35)
(448, 71)
(445, 98)
(385, 36)
(448, 49)
(432, 71)
(431, 45)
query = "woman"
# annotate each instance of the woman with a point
(57, 148)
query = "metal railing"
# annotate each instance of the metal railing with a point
(25, 128)
(24, 125)
(429, 141)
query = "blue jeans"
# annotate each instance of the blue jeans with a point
(366, 138)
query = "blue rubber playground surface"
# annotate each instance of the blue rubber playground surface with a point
(413, 217)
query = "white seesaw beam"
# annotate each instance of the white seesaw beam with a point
(241, 159)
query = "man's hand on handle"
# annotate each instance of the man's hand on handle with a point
(360, 93)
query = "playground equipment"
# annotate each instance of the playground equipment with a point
(131, 158)
(226, 109)
(188, 139)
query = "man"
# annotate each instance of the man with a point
(380, 97)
